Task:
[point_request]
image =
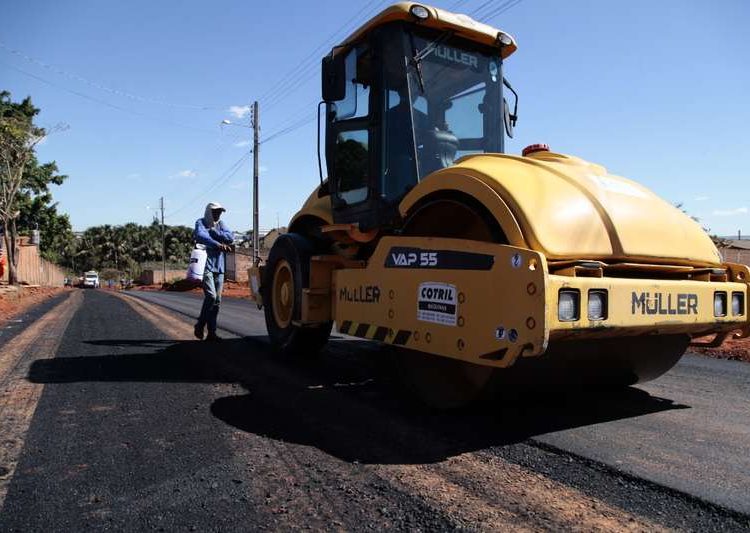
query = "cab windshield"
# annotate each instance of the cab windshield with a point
(449, 105)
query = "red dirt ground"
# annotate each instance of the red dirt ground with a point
(735, 349)
(232, 289)
(14, 302)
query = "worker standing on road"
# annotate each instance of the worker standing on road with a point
(217, 239)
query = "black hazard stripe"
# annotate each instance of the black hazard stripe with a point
(381, 333)
(402, 337)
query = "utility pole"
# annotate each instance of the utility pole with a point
(163, 243)
(256, 147)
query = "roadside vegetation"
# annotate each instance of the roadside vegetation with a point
(27, 204)
(25, 199)
(127, 248)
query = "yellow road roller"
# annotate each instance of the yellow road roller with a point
(479, 264)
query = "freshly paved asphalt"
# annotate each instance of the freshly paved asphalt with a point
(689, 430)
(138, 427)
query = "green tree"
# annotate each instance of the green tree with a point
(38, 211)
(126, 247)
(24, 183)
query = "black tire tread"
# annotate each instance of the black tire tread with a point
(292, 340)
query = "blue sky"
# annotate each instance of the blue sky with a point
(655, 91)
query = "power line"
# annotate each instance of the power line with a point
(227, 175)
(234, 168)
(221, 146)
(221, 180)
(481, 7)
(302, 74)
(290, 129)
(312, 56)
(297, 113)
(305, 75)
(500, 10)
(100, 86)
(457, 4)
(103, 102)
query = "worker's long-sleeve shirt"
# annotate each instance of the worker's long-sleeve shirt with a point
(211, 238)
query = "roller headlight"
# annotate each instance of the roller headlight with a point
(568, 306)
(419, 12)
(597, 305)
(720, 304)
(738, 304)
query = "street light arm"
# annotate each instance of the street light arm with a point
(227, 122)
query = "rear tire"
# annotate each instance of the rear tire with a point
(286, 274)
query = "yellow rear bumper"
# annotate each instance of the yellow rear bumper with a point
(646, 306)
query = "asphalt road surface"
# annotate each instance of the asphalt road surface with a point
(691, 431)
(112, 417)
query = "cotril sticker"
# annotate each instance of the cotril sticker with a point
(437, 303)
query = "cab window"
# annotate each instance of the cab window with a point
(351, 129)
(352, 162)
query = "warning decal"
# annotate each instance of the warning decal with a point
(438, 303)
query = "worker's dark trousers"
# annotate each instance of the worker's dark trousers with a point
(213, 282)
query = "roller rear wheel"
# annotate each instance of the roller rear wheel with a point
(603, 362)
(286, 274)
(440, 382)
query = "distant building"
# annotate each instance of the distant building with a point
(267, 240)
(736, 251)
(237, 264)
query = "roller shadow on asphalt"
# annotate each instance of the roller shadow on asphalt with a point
(344, 402)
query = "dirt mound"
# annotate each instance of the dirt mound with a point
(182, 285)
(232, 289)
(734, 349)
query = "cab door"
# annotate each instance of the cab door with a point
(351, 143)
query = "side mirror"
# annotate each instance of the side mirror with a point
(507, 120)
(333, 78)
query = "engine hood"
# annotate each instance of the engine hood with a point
(568, 208)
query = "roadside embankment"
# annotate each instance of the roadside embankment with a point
(19, 298)
(232, 289)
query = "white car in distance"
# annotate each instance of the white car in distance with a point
(91, 279)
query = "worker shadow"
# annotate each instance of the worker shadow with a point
(149, 360)
(347, 402)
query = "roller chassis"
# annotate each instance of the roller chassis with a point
(489, 304)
